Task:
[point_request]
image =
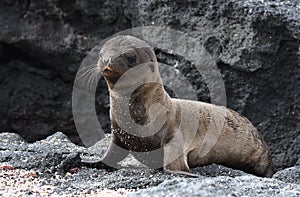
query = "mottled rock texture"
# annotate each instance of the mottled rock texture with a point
(254, 43)
(51, 167)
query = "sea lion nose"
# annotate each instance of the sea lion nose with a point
(106, 61)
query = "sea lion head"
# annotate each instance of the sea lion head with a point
(122, 53)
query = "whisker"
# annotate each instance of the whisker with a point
(82, 75)
(83, 69)
(90, 68)
(89, 80)
(89, 75)
(93, 76)
(96, 77)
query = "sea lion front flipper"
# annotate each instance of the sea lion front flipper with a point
(96, 164)
(114, 153)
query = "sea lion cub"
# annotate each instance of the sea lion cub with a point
(184, 133)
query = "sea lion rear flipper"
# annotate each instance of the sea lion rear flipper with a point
(175, 160)
(189, 174)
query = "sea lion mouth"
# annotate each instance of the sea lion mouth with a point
(107, 71)
(111, 75)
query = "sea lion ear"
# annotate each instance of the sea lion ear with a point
(151, 67)
(150, 53)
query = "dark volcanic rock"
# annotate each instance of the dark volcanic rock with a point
(291, 175)
(222, 186)
(41, 47)
(255, 45)
(48, 164)
(54, 154)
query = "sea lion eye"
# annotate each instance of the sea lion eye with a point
(131, 59)
(100, 55)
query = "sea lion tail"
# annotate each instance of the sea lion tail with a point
(265, 168)
(270, 170)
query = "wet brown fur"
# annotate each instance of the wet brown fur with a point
(239, 145)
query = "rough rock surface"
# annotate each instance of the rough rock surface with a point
(255, 44)
(51, 167)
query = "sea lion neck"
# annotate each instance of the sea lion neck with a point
(149, 92)
(140, 101)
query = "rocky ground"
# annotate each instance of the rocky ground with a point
(52, 167)
(255, 44)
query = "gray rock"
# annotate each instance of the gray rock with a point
(54, 154)
(222, 186)
(289, 175)
(54, 161)
(254, 43)
(217, 170)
